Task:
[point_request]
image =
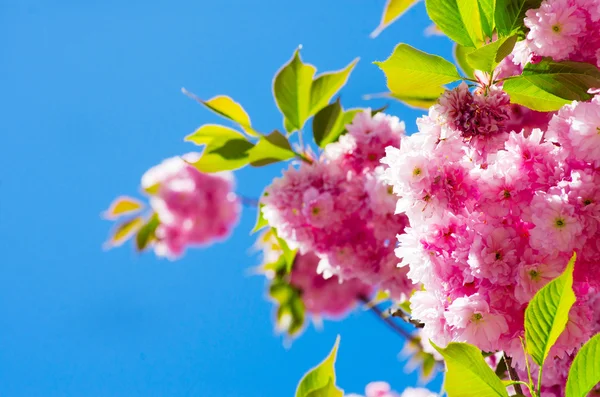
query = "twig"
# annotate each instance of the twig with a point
(390, 323)
(404, 316)
(512, 373)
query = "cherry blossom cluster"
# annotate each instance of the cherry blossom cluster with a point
(563, 30)
(339, 208)
(383, 389)
(321, 297)
(194, 208)
(495, 214)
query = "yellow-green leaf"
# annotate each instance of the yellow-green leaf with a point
(291, 89)
(261, 222)
(547, 314)
(214, 134)
(146, 234)
(468, 374)
(392, 11)
(489, 56)
(320, 377)
(423, 99)
(524, 92)
(122, 205)
(584, 373)
(226, 149)
(230, 109)
(447, 16)
(270, 149)
(469, 11)
(327, 85)
(509, 14)
(124, 231)
(328, 124)
(460, 56)
(409, 71)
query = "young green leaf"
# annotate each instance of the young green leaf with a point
(568, 80)
(291, 89)
(327, 85)
(328, 123)
(228, 108)
(271, 149)
(124, 231)
(392, 11)
(423, 99)
(446, 14)
(509, 15)
(489, 56)
(146, 234)
(486, 11)
(584, 373)
(460, 56)
(409, 71)
(213, 135)
(321, 377)
(226, 149)
(472, 20)
(468, 374)
(525, 93)
(261, 222)
(122, 205)
(547, 314)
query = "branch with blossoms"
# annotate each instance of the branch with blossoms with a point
(479, 230)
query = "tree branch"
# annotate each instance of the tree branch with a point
(406, 317)
(512, 373)
(388, 320)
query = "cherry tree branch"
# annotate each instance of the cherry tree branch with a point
(512, 373)
(387, 319)
(406, 317)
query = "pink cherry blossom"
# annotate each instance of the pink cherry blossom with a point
(194, 208)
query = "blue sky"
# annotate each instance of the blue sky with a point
(90, 99)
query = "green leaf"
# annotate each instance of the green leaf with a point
(230, 109)
(447, 16)
(271, 149)
(392, 11)
(411, 72)
(567, 80)
(321, 377)
(289, 255)
(213, 134)
(328, 123)
(423, 99)
(460, 56)
(330, 390)
(509, 15)
(291, 89)
(226, 149)
(472, 20)
(124, 231)
(146, 234)
(261, 222)
(486, 11)
(525, 93)
(327, 85)
(584, 373)
(547, 314)
(468, 374)
(489, 56)
(122, 205)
